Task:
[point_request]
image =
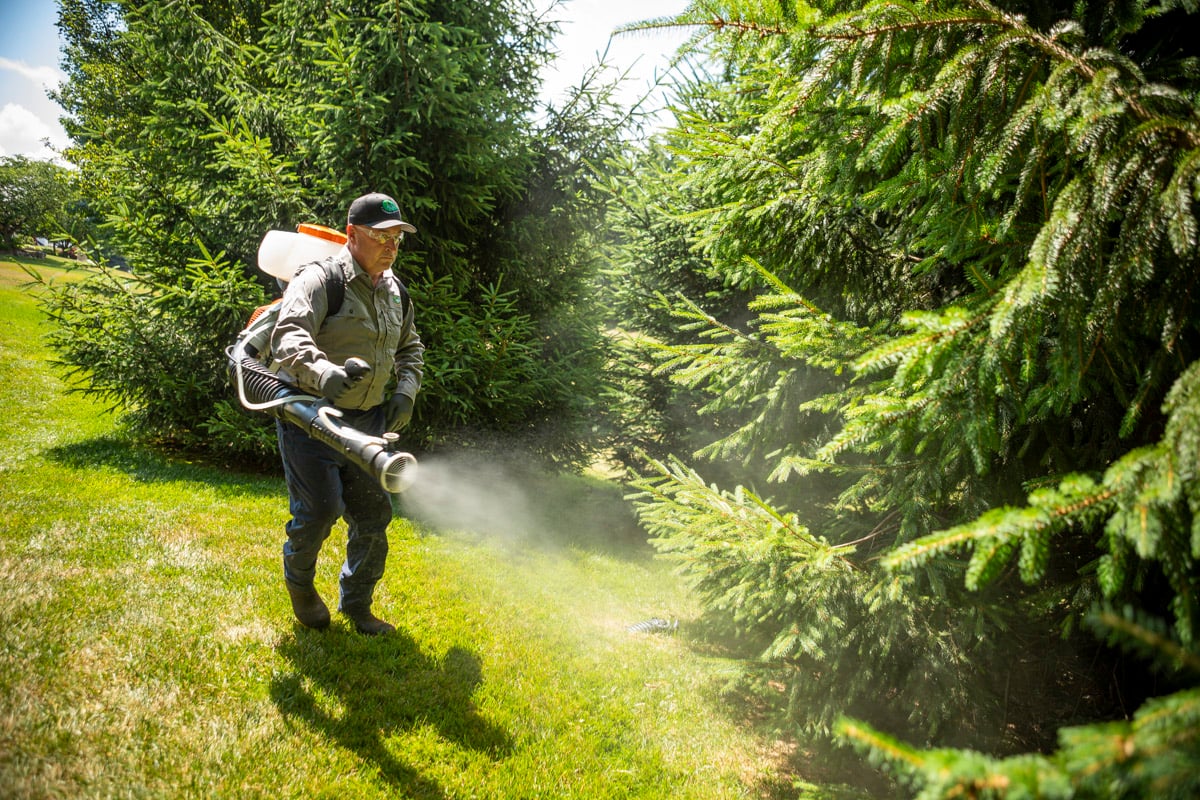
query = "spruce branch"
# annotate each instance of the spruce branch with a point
(857, 33)
(996, 533)
(1145, 635)
(719, 24)
(1051, 46)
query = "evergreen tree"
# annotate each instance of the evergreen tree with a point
(968, 370)
(200, 126)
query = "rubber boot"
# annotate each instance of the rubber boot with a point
(367, 623)
(308, 606)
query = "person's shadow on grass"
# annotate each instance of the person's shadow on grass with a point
(357, 690)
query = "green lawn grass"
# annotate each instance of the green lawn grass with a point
(147, 647)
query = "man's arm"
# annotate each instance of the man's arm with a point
(294, 340)
(410, 360)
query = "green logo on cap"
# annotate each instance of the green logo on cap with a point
(389, 205)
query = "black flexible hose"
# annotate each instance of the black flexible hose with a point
(263, 386)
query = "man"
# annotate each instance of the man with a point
(310, 348)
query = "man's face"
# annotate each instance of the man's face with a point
(375, 250)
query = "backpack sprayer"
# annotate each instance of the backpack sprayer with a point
(261, 390)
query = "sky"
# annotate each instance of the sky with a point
(29, 61)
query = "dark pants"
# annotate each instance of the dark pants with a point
(322, 486)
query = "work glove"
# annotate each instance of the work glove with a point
(399, 411)
(338, 380)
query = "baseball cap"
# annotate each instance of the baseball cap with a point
(377, 210)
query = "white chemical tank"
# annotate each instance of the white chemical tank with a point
(281, 252)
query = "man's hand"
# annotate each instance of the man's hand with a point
(399, 411)
(338, 380)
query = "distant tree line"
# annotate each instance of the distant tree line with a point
(38, 199)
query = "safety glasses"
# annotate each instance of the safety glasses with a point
(381, 237)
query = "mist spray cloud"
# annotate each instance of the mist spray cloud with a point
(457, 493)
(514, 501)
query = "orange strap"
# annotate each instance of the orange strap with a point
(322, 232)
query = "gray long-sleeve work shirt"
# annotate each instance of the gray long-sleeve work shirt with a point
(374, 323)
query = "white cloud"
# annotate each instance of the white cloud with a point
(22, 133)
(28, 116)
(44, 77)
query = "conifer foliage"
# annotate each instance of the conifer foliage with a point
(968, 374)
(199, 126)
